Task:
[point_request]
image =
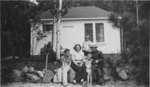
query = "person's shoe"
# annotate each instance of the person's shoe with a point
(74, 81)
(82, 80)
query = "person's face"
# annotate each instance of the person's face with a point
(68, 52)
(87, 38)
(77, 48)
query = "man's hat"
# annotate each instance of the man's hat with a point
(93, 46)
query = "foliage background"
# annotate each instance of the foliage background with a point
(15, 16)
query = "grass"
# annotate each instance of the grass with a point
(110, 84)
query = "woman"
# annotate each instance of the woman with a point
(87, 44)
(77, 64)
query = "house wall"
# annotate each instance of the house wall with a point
(72, 32)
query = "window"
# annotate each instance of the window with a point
(95, 31)
(47, 27)
(89, 31)
(99, 32)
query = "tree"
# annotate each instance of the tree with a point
(15, 33)
(16, 27)
(16, 24)
(135, 36)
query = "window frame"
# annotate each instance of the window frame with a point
(94, 31)
(100, 30)
(51, 30)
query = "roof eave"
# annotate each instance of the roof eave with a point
(75, 19)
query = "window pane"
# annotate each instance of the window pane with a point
(47, 28)
(99, 32)
(89, 31)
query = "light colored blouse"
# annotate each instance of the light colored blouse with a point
(86, 45)
(77, 55)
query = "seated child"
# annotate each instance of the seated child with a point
(66, 61)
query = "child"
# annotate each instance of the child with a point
(62, 72)
(66, 61)
(88, 64)
(58, 71)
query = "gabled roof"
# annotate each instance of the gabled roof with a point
(80, 12)
(86, 12)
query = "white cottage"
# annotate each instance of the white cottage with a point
(75, 25)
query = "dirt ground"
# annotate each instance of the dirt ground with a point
(109, 84)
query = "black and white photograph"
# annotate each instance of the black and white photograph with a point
(74, 43)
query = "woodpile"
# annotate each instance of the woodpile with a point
(32, 74)
(29, 74)
(115, 71)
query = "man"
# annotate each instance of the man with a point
(97, 65)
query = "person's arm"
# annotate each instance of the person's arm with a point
(82, 55)
(70, 59)
(62, 59)
(101, 57)
(73, 57)
(84, 59)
